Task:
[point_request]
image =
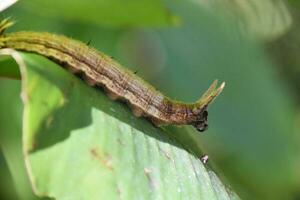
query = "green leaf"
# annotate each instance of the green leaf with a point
(106, 13)
(7, 189)
(267, 19)
(11, 138)
(294, 3)
(81, 145)
(8, 68)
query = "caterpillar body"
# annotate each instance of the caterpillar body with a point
(98, 69)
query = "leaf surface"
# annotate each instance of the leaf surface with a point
(76, 141)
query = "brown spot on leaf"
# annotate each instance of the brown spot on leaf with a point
(105, 159)
(120, 141)
(166, 154)
(147, 172)
(119, 192)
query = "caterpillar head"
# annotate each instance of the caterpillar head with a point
(200, 108)
(201, 123)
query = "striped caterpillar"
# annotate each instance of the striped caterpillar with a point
(98, 69)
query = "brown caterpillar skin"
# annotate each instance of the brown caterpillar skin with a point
(99, 69)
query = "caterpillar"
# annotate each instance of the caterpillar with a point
(98, 69)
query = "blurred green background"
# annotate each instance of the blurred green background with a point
(181, 47)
